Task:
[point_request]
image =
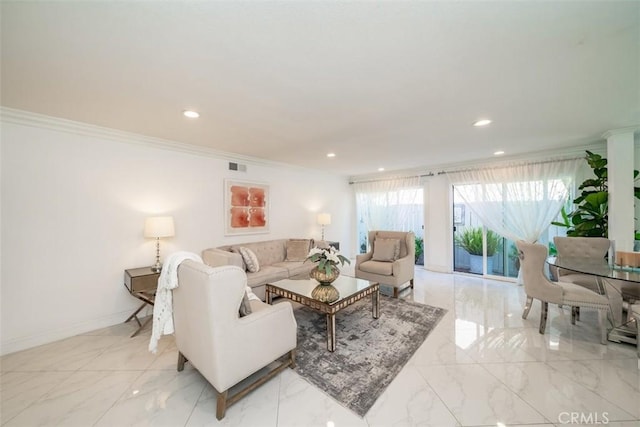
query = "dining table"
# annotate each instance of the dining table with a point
(610, 279)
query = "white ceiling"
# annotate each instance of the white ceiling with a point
(393, 84)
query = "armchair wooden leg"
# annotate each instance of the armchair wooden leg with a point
(395, 292)
(224, 400)
(527, 307)
(292, 358)
(221, 406)
(181, 361)
(543, 316)
(411, 281)
(574, 314)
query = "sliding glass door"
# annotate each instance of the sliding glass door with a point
(478, 250)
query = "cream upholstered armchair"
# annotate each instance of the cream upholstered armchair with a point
(224, 347)
(390, 261)
(536, 285)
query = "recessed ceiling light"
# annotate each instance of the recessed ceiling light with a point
(331, 154)
(498, 153)
(482, 122)
(380, 169)
(191, 114)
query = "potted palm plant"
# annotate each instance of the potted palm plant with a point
(590, 216)
(470, 239)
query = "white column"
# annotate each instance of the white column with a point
(620, 179)
(438, 225)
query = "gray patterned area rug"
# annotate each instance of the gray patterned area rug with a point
(369, 352)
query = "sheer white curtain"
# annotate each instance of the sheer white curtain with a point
(393, 204)
(517, 201)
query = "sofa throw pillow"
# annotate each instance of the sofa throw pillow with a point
(386, 250)
(250, 259)
(322, 244)
(297, 249)
(236, 249)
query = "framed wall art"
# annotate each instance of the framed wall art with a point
(246, 207)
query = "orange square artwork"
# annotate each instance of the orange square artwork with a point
(246, 207)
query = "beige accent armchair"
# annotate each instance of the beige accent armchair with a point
(536, 285)
(397, 274)
(224, 347)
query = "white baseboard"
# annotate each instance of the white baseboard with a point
(24, 343)
(438, 268)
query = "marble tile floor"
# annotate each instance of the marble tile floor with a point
(482, 366)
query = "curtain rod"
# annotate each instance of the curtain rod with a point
(510, 165)
(390, 178)
(442, 172)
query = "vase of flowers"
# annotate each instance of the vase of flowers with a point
(325, 293)
(327, 269)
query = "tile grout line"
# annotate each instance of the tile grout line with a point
(119, 396)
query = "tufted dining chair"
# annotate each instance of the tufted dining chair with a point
(583, 247)
(537, 286)
(622, 292)
(635, 313)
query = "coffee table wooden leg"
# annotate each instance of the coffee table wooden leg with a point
(331, 332)
(375, 301)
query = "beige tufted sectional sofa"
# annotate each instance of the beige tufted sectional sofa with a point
(275, 261)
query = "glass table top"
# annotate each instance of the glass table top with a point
(346, 286)
(596, 268)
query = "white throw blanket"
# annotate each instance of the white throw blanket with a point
(163, 304)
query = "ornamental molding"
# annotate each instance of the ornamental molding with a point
(30, 119)
(629, 129)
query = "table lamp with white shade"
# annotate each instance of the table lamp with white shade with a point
(324, 219)
(157, 227)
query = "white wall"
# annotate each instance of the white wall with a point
(73, 209)
(438, 223)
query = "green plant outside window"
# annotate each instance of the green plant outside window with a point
(470, 239)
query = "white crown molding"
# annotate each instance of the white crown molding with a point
(629, 129)
(27, 118)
